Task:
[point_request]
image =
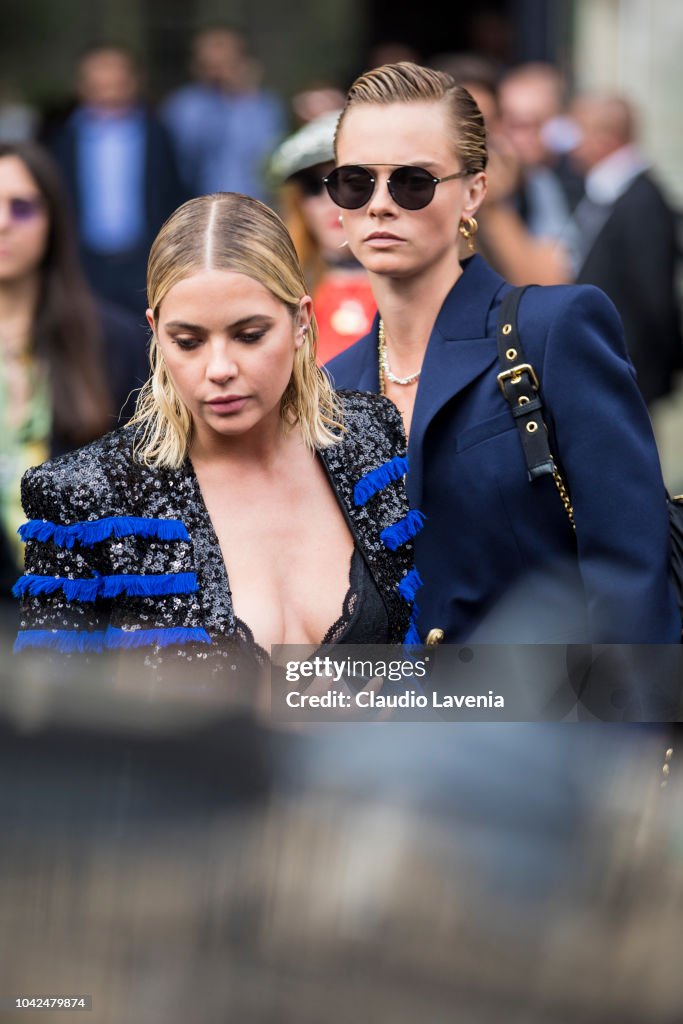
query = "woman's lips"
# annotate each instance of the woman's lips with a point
(382, 240)
(229, 404)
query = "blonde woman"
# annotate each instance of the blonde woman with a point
(246, 504)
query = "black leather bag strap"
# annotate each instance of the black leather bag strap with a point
(519, 383)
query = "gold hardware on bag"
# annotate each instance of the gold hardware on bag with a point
(434, 637)
(523, 400)
(564, 495)
(511, 354)
(507, 328)
(532, 427)
(515, 374)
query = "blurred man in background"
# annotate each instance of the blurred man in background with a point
(532, 106)
(224, 125)
(627, 238)
(119, 166)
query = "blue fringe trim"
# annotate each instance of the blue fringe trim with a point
(412, 637)
(410, 584)
(162, 637)
(108, 586)
(69, 641)
(377, 479)
(66, 641)
(393, 536)
(89, 533)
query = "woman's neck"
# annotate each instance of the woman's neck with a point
(409, 307)
(18, 304)
(261, 449)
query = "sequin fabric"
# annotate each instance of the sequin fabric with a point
(104, 479)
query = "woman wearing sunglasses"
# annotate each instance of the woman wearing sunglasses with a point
(246, 504)
(68, 361)
(581, 550)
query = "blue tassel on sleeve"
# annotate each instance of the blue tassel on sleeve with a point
(412, 636)
(377, 479)
(163, 637)
(74, 641)
(65, 641)
(150, 586)
(410, 584)
(393, 536)
(108, 586)
(90, 533)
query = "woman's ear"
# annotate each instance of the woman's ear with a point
(303, 320)
(475, 193)
(150, 318)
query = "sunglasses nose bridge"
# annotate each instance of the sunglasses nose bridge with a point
(382, 190)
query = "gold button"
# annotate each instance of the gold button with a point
(434, 637)
(507, 328)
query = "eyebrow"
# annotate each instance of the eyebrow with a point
(245, 321)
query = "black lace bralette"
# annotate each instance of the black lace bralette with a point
(364, 618)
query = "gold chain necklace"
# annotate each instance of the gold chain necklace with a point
(384, 368)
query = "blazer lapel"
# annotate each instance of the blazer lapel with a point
(459, 350)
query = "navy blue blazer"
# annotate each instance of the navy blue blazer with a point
(499, 559)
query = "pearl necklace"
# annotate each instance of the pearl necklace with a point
(385, 370)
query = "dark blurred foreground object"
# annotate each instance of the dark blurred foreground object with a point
(627, 235)
(120, 168)
(179, 860)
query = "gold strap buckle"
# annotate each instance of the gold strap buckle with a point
(515, 375)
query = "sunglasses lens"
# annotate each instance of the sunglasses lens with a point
(411, 187)
(24, 209)
(310, 183)
(350, 187)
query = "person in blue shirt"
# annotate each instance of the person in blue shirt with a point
(500, 557)
(120, 168)
(224, 125)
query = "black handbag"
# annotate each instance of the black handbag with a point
(521, 388)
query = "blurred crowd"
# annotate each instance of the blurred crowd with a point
(572, 198)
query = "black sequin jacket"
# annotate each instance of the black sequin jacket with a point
(120, 555)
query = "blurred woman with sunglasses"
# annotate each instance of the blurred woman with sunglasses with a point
(343, 300)
(575, 548)
(68, 362)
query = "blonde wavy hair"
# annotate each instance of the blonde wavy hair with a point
(229, 231)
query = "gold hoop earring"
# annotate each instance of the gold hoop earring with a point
(468, 228)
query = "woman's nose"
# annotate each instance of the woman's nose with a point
(380, 201)
(222, 364)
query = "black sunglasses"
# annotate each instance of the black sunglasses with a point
(309, 180)
(412, 188)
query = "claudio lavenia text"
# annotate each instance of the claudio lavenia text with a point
(407, 699)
